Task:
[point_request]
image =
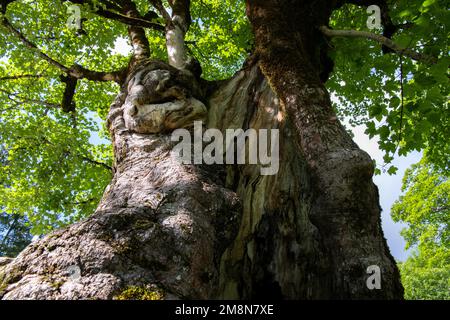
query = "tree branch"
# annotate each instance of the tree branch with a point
(181, 10)
(32, 46)
(94, 162)
(67, 104)
(176, 30)
(389, 28)
(157, 4)
(75, 71)
(80, 72)
(21, 76)
(13, 96)
(139, 41)
(131, 21)
(135, 21)
(380, 39)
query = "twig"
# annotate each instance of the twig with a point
(21, 76)
(32, 46)
(401, 105)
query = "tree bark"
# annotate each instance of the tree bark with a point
(200, 231)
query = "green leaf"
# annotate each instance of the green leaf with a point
(428, 3)
(392, 170)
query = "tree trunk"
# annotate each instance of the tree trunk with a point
(170, 230)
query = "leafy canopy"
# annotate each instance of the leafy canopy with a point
(369, 86)
(425, 205)
(425, 208)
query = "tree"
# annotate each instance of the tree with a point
(425, 274)
(425, 209)
(15, 235)
(14, 230)
(167, 229)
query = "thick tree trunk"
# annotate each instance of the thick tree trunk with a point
(199, 231)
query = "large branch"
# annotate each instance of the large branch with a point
(158, 5)
(380, 39)
(176, 28)
(80, 72)
(181, 10)
(139, 41)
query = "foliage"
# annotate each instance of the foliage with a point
(426, 275)
(222, 36)
(52, 174)
(14, 234)
(425, 208)
(366, 83)
(14, 228)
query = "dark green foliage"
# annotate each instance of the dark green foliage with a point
(14, 234)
